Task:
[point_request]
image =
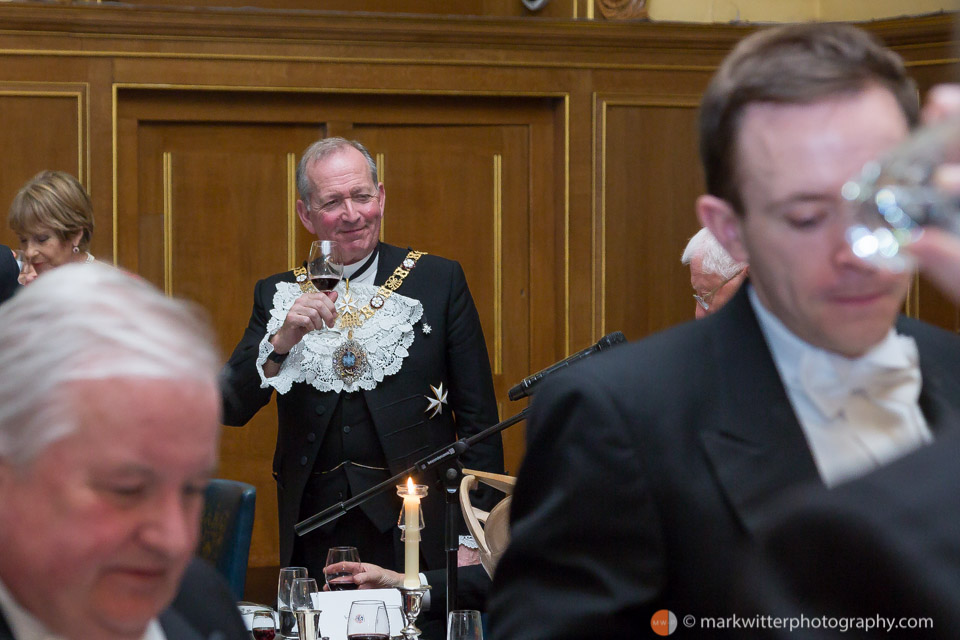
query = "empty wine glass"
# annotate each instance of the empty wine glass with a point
(325, 264)
(341, 579)
(397, 622)
(368, 621)
(263, 626)
(464, 625)
(898, 194)
(288, 622)
(302, 592)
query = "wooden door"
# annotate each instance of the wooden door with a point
(205, 208)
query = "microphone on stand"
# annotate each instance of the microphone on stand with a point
(526, 386)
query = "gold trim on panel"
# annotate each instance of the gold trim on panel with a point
(236, 57)
(115, 189)
(911, 306)
(566, 221)
(497, 264)
(601, 242)
(380, 160)
(168, 223)
(339, 90)
(291, 211)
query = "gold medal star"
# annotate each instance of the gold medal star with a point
(436, 402)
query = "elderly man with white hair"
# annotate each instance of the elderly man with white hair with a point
(714, 275)
(109, 421)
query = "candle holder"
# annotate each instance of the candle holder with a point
(410, 523)
(412, 600)
(418, 491)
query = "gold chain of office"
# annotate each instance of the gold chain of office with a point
(350, 319)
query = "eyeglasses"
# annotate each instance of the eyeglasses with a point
(705, 299)
(336, 205)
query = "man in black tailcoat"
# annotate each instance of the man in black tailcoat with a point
(370, 377)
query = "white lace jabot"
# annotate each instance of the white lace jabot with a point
(385, 337)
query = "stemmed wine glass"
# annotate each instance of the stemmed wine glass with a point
(341, 580)
(302, 594)
(464, 625)
(263, 626)
(288, 622)
(397, 622)
(368, 621)
(325, 264)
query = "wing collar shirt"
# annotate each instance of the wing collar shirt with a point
(364, 270)
(856, 413)
(25, 626)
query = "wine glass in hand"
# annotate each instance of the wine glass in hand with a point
(340, 579)
(368, 621)
(325, 264)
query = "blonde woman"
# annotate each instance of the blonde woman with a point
(53, 218)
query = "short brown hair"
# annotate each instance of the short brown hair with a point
(55, 200)
(791, 64)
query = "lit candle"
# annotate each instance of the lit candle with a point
(411, 521)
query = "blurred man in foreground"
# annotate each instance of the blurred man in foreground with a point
(109, 418)
(648, 468)
(714, 275)
(888, 544)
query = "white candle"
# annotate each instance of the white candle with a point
(411, 521)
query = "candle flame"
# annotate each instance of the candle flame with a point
(409, 484)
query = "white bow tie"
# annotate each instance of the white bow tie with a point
(889, 373)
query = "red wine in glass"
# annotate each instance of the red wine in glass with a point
(369, 636)
(264, 634)
(325, 283)
(341, 581)
(325, 264)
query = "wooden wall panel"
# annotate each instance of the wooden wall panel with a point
(650, 178)
(593, 124)
(43, 127)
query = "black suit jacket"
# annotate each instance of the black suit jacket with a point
(649, 465)
(886, 544)
(8, 273)
(204, 609)
(453, 353)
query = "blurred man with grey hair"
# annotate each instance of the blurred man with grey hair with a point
(714, 275)
(109, 422)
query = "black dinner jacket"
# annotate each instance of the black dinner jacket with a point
(886, 544)
(8, 273)
(203, 609)
(452, 353)
(647, 467)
